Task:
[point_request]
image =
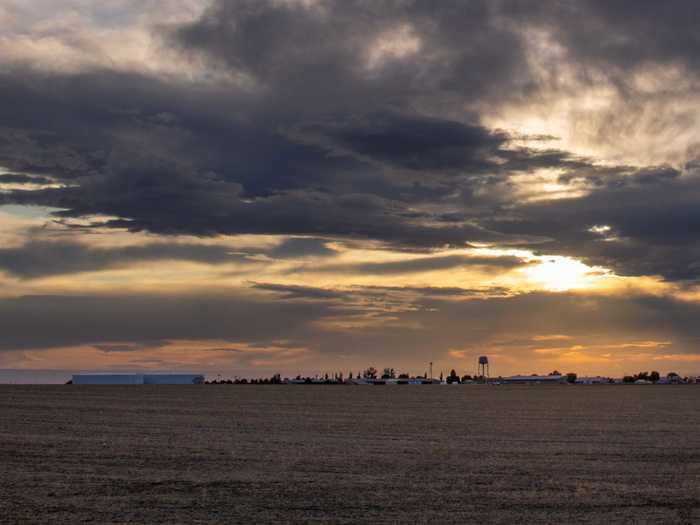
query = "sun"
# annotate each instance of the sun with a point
(557, 273)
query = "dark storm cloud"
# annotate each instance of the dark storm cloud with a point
(481, 45)
(626, 34)
(195, 174)
(322, 135)
(43, 258)
(620, 176)
(301, 247)
(411, 142)
(383, 296)
(122, 348)
(278, 44)
(428, 326)
(299, 292)
(137, 319)
(21, 178)
(653, 223)
(423, 264)
(440, 291)
(202, 173)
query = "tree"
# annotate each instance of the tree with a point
(555, 373)
(370, 373)
(571, 377)
(673, 377)
(389, 373)
(466, 377)
(441, 376)
(404, 376)
(628, 379)
(453, 377)
(654, 376)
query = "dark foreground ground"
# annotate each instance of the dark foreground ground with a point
(393, 454)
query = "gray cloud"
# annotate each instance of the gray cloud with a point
(139, 319)
(122, 348)
(424, 329)
(622, 35)
(319, 140)
(440, 291)
(43, 258)
(423, 264)
(299, 292)
(653, 226)
(301, 247)
(21, 178)
(411, 142)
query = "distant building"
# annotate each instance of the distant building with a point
(593, 380)
(532, 380)
(393, 381)
(173, 379)
(138, 379)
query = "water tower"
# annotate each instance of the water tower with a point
(483, 368)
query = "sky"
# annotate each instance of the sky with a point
(246, 187)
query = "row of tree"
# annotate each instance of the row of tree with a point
(372, 373)
(369, 373)
(652, 376)
(274, 380)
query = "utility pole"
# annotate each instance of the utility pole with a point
(431, 370)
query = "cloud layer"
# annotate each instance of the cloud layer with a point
(559, 128)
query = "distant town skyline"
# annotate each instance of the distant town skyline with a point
(299, 186)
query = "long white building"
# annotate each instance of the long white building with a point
(138, 379)
(533, 380)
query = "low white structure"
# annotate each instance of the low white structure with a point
(533, 380)
(593, 380)
(108, 379)
(173, 379)
(138, 379)
(393, 381)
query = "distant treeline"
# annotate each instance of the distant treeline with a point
(372, 374)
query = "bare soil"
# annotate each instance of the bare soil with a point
(343, 454)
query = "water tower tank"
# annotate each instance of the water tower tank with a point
(483, 367)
